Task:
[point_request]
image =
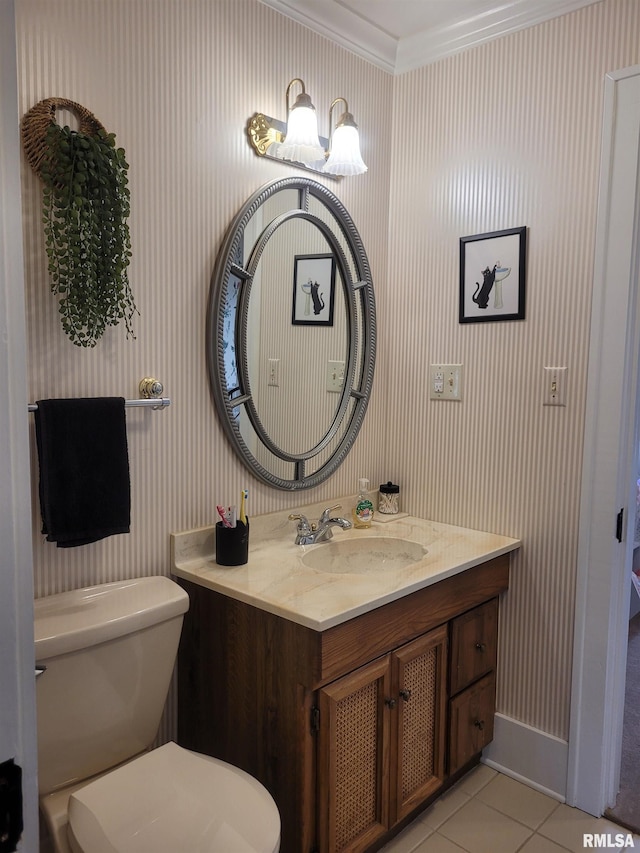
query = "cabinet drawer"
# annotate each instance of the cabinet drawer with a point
(474, 644)
(471, 721)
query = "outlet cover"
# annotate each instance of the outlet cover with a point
(445, 381)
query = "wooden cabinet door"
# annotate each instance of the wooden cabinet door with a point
(472, 713)
(474, 644)
(353, 759)
(419, 674)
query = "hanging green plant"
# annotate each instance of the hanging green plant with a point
(85, 211)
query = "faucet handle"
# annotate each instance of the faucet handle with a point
(303, 526)
(326, 515)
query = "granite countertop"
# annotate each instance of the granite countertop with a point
(277, 580)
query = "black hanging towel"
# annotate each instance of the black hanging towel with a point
(85, 493)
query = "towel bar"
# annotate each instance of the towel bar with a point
(154, 403)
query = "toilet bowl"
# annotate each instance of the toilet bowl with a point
(108, 653)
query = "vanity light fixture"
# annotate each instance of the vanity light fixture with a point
(344, 151)
(298, 142)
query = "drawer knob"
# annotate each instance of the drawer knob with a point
(390, 703)
(479, 724)
(481, 647)
(405, 694)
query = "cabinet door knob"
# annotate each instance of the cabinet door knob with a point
(405, 694)
(390, 703)
(479, 724)
(481, 646)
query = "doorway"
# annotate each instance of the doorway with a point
(626, 811)
(608, 481)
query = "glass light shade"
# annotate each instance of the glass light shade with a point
(301, 142)
(345, 158)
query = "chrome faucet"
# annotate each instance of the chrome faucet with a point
(311, 534)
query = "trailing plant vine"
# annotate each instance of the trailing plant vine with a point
(85, 212)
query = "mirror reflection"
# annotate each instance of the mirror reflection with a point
(291, 333)
(296, 325)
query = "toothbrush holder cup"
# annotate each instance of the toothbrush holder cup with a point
(232, 544)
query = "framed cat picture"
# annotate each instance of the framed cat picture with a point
(492, 276)
(314, 284)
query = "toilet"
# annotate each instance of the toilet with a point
(104, 659)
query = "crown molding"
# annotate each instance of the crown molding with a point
(426, 47)
(397, 56)
(343, 27)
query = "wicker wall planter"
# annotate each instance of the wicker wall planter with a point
(85, 213)
(36, 122)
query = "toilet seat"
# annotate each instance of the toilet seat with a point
(171, 800)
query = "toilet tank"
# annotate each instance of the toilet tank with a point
(109, 652)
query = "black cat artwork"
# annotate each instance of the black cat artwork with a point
(314, 282)
(499, 292)
(318, 301)
(481, 295)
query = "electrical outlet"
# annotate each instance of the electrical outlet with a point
(335, 376)
(555, 386)
(445, 382)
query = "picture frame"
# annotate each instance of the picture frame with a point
(314, 284)
(492, 276)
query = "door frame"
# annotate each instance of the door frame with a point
(18, 738)
(610, 458)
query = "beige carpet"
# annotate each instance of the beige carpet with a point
(627, 808)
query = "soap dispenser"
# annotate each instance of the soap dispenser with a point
(363, 510)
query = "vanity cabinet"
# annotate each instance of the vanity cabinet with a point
(352, 729)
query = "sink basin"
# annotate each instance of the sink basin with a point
(362, 556)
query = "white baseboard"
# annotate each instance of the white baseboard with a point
(529, 755)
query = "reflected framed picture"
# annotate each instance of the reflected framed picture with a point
(492, 276)
(314, 284)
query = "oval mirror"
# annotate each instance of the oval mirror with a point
(291, 333)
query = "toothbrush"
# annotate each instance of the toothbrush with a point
(223, 516)
(244, 496)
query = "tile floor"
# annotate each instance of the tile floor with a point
(487, 812)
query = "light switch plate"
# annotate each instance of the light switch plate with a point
(445, 381)
(555, 386)
(274, 372)
(335, 376)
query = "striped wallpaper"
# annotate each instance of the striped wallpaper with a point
(503, 135)
(498, 137)
(177, 81)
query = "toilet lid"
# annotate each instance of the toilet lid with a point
(171, 800)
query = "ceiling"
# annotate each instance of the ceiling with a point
(399, 35)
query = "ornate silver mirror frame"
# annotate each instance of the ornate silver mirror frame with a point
(249, 248)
